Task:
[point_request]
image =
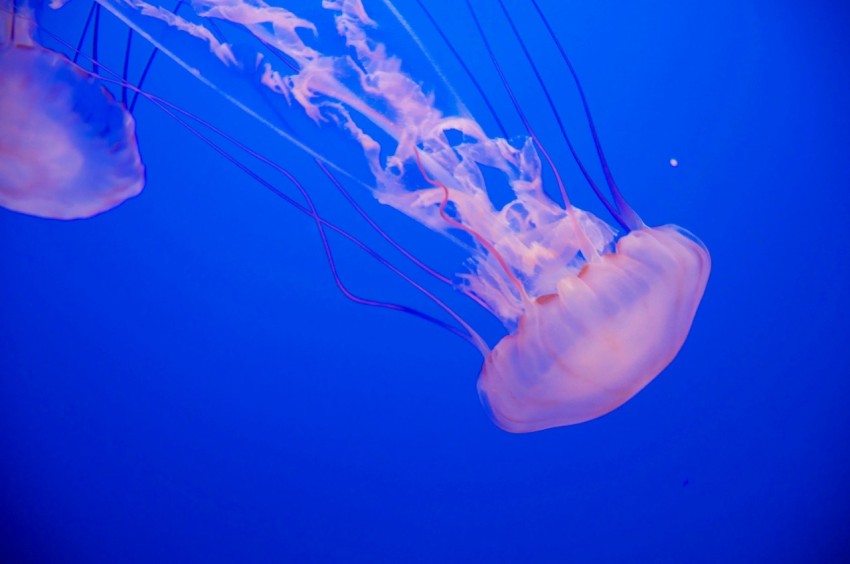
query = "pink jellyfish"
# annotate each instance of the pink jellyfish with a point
(592, 317)
(67, 148)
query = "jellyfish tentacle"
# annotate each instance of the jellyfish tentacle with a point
(126, 67)
(338, 185)
(12, 22)
(83, 34)
(149, 62)
(407, 254)
(94, 40)
(478, 238)
(124, 13)
(143, 76)
(21, 26)
(385, 305)
(585, 244)
(465, 68)
(629, 215)
(374, 225)
(471, 336)
(588, 178)
(338, 279)
(468, 334)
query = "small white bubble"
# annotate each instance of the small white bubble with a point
(674, 162)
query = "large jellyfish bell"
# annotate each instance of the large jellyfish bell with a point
(605, 334)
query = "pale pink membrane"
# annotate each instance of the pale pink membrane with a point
(67, 148)
(607, 332)
(591, 321)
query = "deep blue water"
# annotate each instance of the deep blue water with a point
(181, 381)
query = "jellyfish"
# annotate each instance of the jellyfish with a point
(67, 148)
(592, 312)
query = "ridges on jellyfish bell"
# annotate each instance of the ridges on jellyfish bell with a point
(605, 334)
(67, 148)
(591, 318)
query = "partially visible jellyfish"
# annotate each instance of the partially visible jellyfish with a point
(67, 148)
(591, 317)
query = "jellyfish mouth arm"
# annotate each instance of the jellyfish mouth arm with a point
(221, 50)
(316, 87)
(410, 117)
(583, 352)
(367, 88)
(258, 18)
(461, 106)
(122, 10)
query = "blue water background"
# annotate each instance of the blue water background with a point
(181, 381)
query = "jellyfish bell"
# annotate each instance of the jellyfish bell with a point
(607, 332)
(67, 148)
